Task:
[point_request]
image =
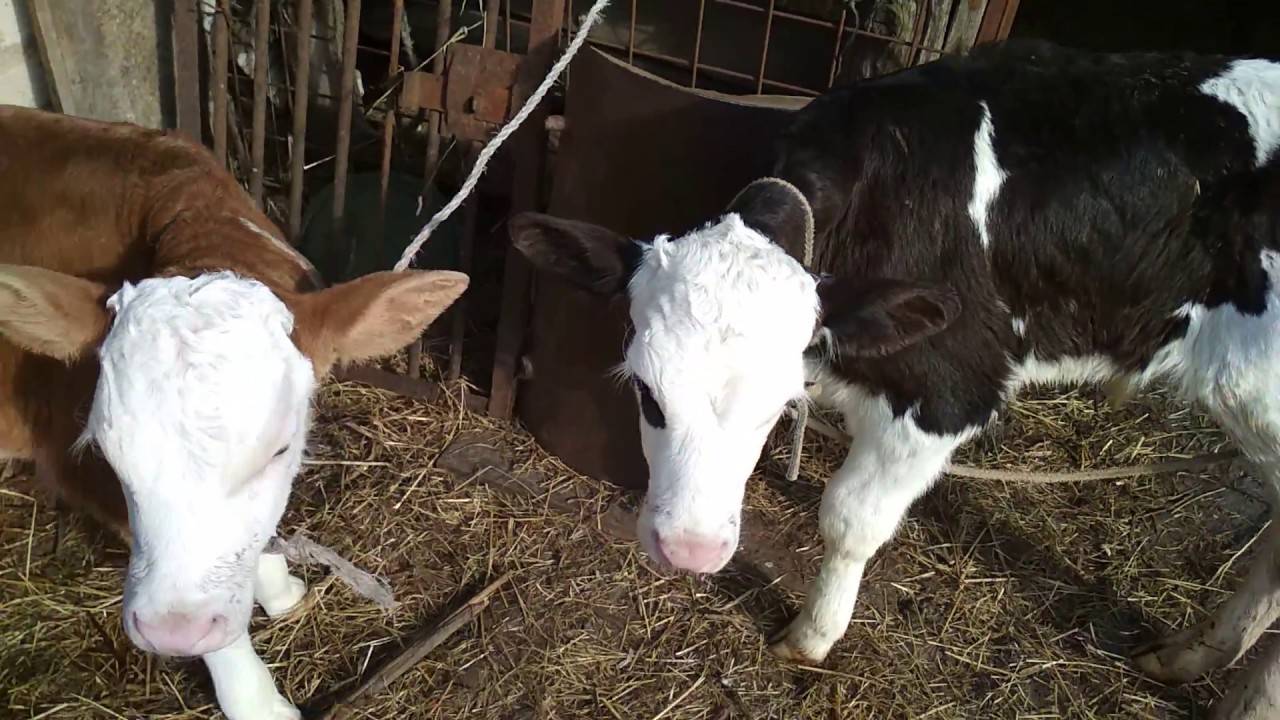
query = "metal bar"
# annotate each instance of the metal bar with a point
(342, 153)
(388, 125)
(491, 24)
(298, 145)
(631, 36)
(785, 15)
(711, 69)
(697, 44)
(187, 98)
(529, 154)
(764, 48)
(685, 63)
(917, 32)
(835, 53)
(507, 26)
(258, 144)
(458, 328)
(435, 125)
(221, 45)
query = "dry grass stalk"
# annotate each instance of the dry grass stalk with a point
(416, 651)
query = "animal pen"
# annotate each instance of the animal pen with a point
(995, 600)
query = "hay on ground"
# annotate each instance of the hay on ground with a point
(994, 601)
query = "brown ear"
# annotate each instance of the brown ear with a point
(50, 313)
(371, 316)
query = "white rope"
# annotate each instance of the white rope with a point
(592, 17)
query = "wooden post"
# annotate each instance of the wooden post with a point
(186, 69)
(529, 151)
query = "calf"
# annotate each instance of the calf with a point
(1023, 214)
(159, 347)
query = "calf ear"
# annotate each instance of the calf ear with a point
(871, 318)
(589, 256)
(50, 313)
(372, 316)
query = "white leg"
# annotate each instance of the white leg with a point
(274, 588)
(244, 685)
(1255, 693)
(890, 464)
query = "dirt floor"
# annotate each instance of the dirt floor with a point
(995, 600)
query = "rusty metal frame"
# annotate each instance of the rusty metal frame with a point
(467, 92)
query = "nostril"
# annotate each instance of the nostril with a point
(693, 553)
(180, 634)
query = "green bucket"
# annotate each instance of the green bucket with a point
(362, 251)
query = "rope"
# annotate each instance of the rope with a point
(1196, 462)
(592, 17)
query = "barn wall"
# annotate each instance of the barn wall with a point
(21, 78)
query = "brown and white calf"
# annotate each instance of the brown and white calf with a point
(159, 347)
(1024, 214)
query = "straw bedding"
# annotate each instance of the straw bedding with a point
(994, 601)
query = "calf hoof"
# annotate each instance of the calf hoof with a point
(1182, 657)
(286, 600)
(796, 644)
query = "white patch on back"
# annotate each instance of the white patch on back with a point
(287, 249)
(988, 176)
(1084, 369)
(1252, 86)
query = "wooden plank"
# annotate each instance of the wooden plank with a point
(964, 28)
(529, 145)
(186, 68)
(99, 59)
(935, 34)
(996, 21)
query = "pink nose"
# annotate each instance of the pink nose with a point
(693, 553)
(182, 634)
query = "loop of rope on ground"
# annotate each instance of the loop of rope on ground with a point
(1196, 462)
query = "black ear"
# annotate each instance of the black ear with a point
(591, 257)
(871, 318)
(777, 210)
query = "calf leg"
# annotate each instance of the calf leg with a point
(244, 686)
(890, 464)
(274, 588)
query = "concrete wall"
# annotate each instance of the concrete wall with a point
(21, 77)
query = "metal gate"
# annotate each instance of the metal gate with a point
(313, 102)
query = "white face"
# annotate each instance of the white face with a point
(722, 317)
(202, 410)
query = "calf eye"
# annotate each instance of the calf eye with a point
(281, 451)
(649, 406)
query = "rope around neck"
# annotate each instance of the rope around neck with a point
(588, 22)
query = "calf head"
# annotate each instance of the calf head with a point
(722, 318)
(202, 408)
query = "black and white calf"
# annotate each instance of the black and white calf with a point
(1025, 214)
